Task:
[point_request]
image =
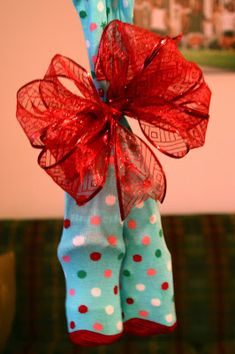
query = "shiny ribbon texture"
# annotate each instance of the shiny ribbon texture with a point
(80, 135)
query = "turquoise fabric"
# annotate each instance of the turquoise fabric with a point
(114, 271)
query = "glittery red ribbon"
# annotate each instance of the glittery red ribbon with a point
(150, 81)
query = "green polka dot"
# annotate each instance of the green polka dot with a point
(126, 272)
(120, 256)
(103, 25)
(83, 14)
(160, 233)
(108, 10)
(158, 253)
(81, 274)
(93, 74)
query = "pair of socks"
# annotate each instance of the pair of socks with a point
(118, 274)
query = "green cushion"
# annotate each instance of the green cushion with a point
(203, 254)
(221, 347)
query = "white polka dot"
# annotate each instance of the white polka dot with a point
(78, 240)
(169, 266)
(96, 292)
(125, 3)
(140, 205)
(169, 317)
(100, 6)
(109, 309)
(156, 302)
(110, 200)
(153, 219)
(119, 326)
(88, 44)
(140, 287)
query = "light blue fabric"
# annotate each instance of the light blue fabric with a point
(96, 228)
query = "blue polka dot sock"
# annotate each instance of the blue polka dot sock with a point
(91, 252)
(92, 247)
(146, 275)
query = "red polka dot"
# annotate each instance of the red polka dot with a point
(93, 26)
(130, 301)
(95, 256)
(108, 273)
(143, 313)
(137, 258)
(95, 220)
(115, 289)
(98, 326)
(83, 309)
(67, 223)
(72, 325)
(112, 240)
(131, 224)
(146, 240)
(66, 259)
(151, 272)
(165, 285)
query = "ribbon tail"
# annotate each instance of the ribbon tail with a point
(139, 173)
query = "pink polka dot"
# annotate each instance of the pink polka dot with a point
(151, 272)
(71, 292)
(143, 313)
(131, 224)
(112, 240)
(93, 26)
(153, 219)
(110, 200)
(66, 259)
(146, 240)
(94, 57)
(140, 205)
(95, 220)
(108, 273)
(98, 326)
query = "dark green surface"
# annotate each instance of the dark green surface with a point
(203, 252)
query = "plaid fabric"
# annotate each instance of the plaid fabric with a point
(203, 255)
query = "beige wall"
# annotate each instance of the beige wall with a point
(31, 33)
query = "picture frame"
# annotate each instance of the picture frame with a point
(207, 28)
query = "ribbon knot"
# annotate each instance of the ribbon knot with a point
(150, 81)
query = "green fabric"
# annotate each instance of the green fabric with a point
(203, 255)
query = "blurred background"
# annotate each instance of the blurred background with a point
(208, 27)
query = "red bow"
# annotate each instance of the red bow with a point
(150, 81)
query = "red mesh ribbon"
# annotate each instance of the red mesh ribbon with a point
(150, 81)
